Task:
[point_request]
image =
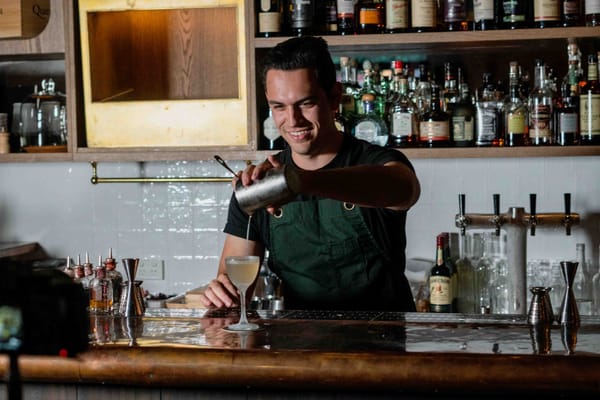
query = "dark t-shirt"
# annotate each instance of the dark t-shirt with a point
(387, 226)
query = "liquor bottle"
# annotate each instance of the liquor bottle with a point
(546, 13)
(515, 14)
(350, 89)
(370, 16)
(370, 126)
(271, 138)
(455, 15)
(450, 256)
(396, 16)
(462, 130)
(571, 13)
(326, 17)
(301, 17)
(540, 104)
(423, 15)
(487, 115)
(101, 291)
(88, 267)
(486, 14)
(566, 117)
(434, 125)
(116, 279)
(592, 12)
(589, 105)
(269, 17)
(450, 92)
(440, 287)
(69, 268)
(514, 111)
(422, 92)
(345, 17)
(574, 71)
(403, 120)
(368, 86)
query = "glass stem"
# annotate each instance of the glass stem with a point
(243, 318)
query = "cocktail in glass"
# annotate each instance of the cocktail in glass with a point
(242, 271)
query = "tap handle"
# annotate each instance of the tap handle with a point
(533, 217)
(567, 203)
(497, 213)
(567, 220)
(461, 213)
(496, 204)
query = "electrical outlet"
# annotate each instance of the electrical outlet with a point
(150, 269)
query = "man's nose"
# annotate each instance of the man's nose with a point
(294, 114)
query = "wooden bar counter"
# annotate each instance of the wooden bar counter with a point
(186, 354)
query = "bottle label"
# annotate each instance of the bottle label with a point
(456, 11)
(516, 123)
(539, 122)
(269, 22)
(589, 118)
(546, 10)
(369, 16)
(592, 7)
(302, 14)
(432, 131)
(439, 290)
(424, 13)
(483, 10)
(396, 14)
(487, 123)
(567, 122)
(402, 124)
(462, 129)
(513, 11)
(345, 8)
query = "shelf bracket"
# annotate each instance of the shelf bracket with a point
(96, 179)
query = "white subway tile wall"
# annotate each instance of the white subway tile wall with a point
(56, 205)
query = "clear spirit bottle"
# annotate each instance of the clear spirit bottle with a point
(116, 279)
(370, 126)
(403, 119)
(101, 291)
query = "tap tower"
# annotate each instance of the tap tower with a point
(516, 222)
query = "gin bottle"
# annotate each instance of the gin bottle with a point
(370, 126)
(403, 120)
(540, 108)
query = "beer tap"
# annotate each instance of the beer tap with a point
(567, 221)
(516, 222)
(461, 219)
(496, 219)
(532, 216)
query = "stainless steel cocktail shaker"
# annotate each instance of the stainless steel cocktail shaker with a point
(278, 187)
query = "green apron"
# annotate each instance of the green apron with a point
(326, 256)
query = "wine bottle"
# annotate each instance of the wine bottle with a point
(589, 104)
(345, 17)
(423, 15)
(301, 17)
(370, 16)
(269, 17)
(396, 16)
(592, 12)
(546, 13)
(570, 13)
(440, 287)
(515, 14)
(486, 14)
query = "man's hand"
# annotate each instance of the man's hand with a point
(220, 293)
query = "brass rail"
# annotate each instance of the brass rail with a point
(96, 180)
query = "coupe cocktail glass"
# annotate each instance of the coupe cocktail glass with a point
(242, 271)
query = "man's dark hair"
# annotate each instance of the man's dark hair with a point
(302, 52)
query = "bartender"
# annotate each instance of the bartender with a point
(340, 243)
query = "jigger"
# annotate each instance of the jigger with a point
(569, 314)
(133, 303)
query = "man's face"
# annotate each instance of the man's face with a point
(301, 109)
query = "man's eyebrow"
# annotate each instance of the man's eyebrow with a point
(302, 100)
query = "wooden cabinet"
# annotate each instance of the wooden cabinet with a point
(477, 51)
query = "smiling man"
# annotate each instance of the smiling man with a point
(340, 244)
